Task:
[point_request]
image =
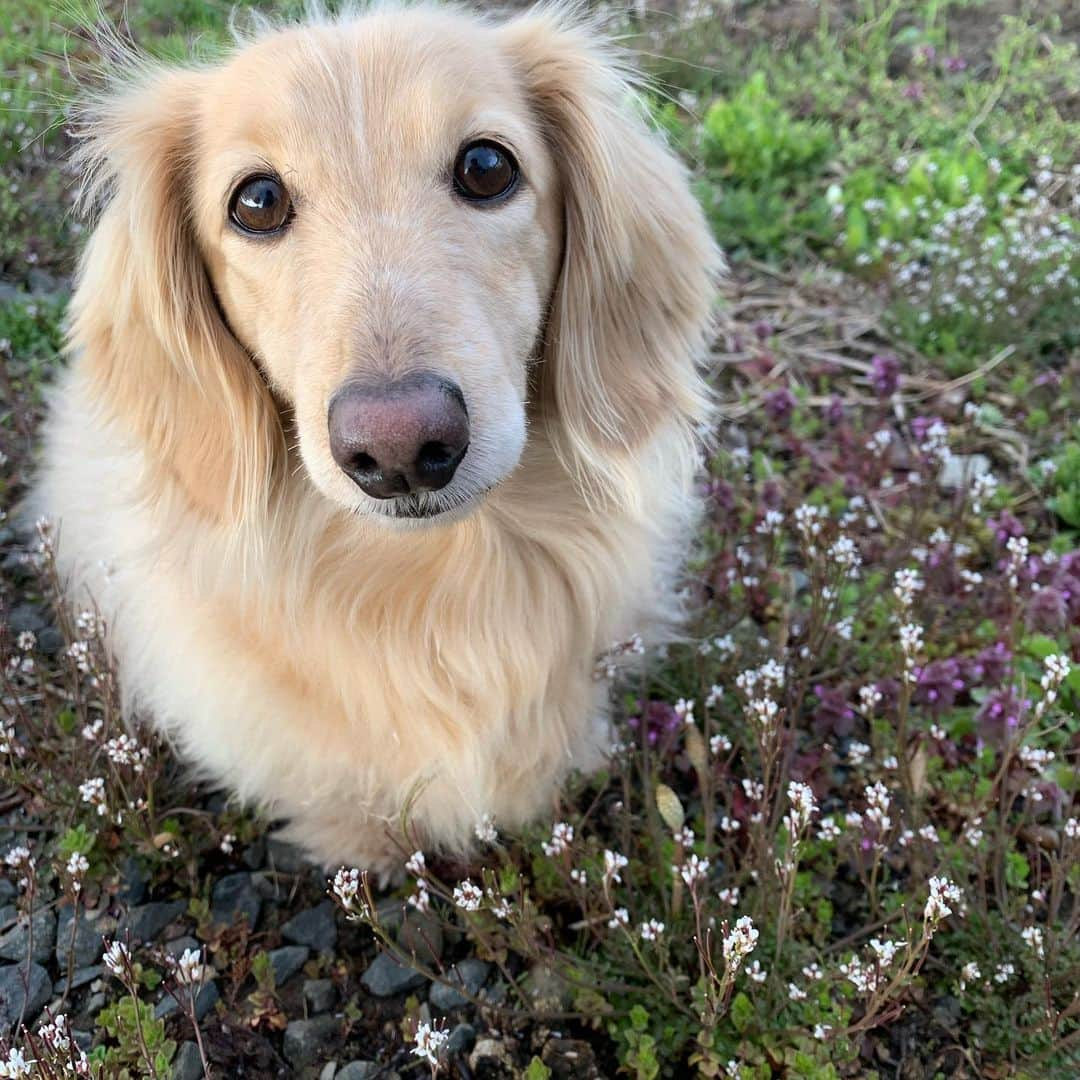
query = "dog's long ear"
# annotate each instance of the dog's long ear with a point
(631, 311)
(145, 324)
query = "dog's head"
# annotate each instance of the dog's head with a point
(399, 241)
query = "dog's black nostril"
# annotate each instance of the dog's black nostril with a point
(434, 455)
(363, 463)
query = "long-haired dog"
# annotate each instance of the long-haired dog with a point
(380, 418)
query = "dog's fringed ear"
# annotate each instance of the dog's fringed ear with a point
(631, 312)
(145, 324)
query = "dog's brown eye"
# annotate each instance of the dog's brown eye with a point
(484, 171)
(260, 205)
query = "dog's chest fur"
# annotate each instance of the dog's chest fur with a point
(332, 671)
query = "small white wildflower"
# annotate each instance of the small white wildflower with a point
(429, 1043)
(712, 699)
(614, 863)
(346, 885)
(651, 930)
(190, 969)
(579, 877)
(969, 973)
(740, 942)
(756, 973)
(942, 893)
(729, 825)
(795, 993)
(828, 830)
(693, 870)
(116, 958)
(719, 744)
(77, 865)
(1072, 828)
(468, 896)
(729, 895)
(485, 830)
(619, 917)
(228, 843)
(1003, 973)
(90, 732)
(416, 864)
(562, 836)
(16, 1065)
(822, 1031)
(857, 752)
(684, 710)
(1033, 937)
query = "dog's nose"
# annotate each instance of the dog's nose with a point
(398, 437)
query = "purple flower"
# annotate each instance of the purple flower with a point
(1000, 716)
(1004, 527)
(938, 684)
(660, 720)
(780, 404)
(1047, 611)
(834, 414)
(763, 330)
(885, 375)
(834, 715)
(913, 91)
(954, 64)
(991, 665)
(925, 54)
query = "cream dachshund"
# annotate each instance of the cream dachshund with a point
(381, 417)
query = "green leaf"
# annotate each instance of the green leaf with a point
(742, 1012)
(536, 1070)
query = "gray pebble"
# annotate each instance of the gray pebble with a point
(287, 961)
(319, 995)
(146, 921)
(16, 943)
(385, 977)
(284, 857)
(26, 617)
(309, 1041)
(469, 974)
(187, 1065)
(204, 1002)
(235, 896)
(89, 937)
(462, 1039)
(315, 927)
(22, 985)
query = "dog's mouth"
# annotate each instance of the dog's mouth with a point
(430, 507)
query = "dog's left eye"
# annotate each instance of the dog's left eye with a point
(260, 204)
(484, 171)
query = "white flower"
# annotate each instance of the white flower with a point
(942, 893)
(579, 877)
(795, 993)
(77, 865)
(857, 752)
(756, 973)
(906, 583)
(429, 1042)
(613, 864)
(228, 842)
(651, 930)
(619, 917)
(485, 830)
(415, 864)
(420, 898)
(813, 972)
(1003, 973)
(1072, 828)
(16, 1064)
(885, 951)
(1033, 936)
(729, 895)
(116, 958)
(821, 1031)
(845, 554)
(693, 870)
(719, 744)
(828, 830)
(190, 969)
(930, 834)
(346, 885)
(729, 825)
(500, 906)
(91, 731)
(969, 973)
(712, 699)
(562, 836)
(803, 806)
(740, 942)
(26, 640)
(18, 856)
(869, 698)
(468, 896)
(684, 709)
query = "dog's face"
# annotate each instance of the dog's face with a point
(381, 221)
(421, 229)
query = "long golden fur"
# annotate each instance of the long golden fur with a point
(298, 644)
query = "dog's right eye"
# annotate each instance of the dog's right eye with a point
(260, 204)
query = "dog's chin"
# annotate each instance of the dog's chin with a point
(430, 510)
